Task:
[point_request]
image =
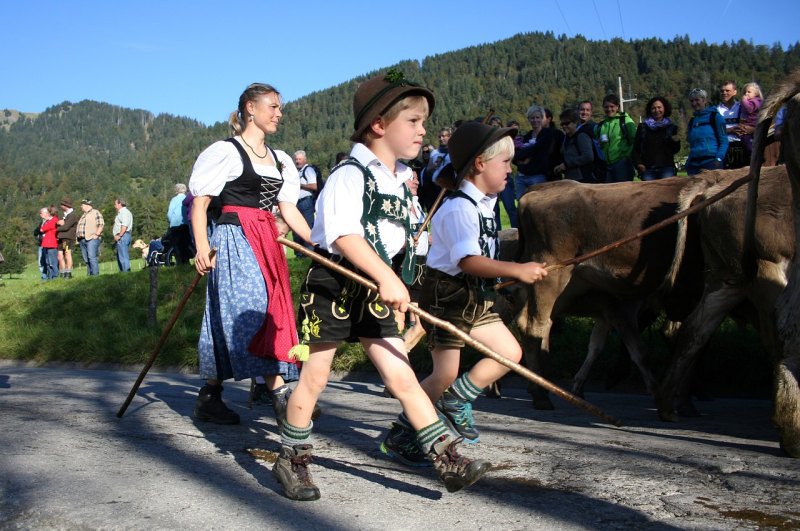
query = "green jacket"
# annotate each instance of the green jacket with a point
(620, 139)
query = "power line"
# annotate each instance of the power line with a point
(622, 25)
(563, 17)
(599, 20)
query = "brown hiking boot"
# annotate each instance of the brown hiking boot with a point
(455, 471)
(291, 469)
(210, 407)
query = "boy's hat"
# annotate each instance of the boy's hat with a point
(66, 201)
(377, 94)
(469, 141)
(86, 202)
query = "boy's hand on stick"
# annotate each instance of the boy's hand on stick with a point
(530, 272)
(394, 293)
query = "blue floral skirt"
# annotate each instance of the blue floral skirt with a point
(236, 304)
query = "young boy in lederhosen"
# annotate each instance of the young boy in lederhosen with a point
(462, 268)
(362, 222)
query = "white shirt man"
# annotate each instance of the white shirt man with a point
(308, 177)
(728, 108)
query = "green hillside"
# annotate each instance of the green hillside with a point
(93, 149)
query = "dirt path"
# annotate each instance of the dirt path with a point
(69, 463)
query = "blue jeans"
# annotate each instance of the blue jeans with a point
(49, 263)
(694, 167)
(620, 171)
(123, 258)
(654, 174)
(524, 181)
(508, 198)
(306, 207)
(42, 264)
(89, 251)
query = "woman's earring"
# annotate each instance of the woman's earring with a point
(251, 117)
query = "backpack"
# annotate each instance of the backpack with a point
(622, 129)
(714, 116)
(599, 165)
(320, 180)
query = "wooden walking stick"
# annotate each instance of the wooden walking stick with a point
(477, 345)
(162, 339)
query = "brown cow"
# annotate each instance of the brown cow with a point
(510, 304)
(787, 373)
(564, 219)
(727, 283)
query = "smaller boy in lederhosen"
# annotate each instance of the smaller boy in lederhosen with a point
(462, 268)
(362, 223)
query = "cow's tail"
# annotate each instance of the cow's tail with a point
(685, 199)
(785, 91)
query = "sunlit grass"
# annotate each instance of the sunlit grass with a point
(104, 320)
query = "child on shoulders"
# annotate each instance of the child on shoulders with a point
(748, 114)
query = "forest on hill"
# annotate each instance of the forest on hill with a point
(96, 150)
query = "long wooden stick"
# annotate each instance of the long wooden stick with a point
(432, 211)
(162, 339)
(477, 345)
(738, 183)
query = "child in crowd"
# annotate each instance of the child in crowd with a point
(362, 222)
(748, 113)
(462, 268)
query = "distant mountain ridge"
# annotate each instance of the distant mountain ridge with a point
(99, 150)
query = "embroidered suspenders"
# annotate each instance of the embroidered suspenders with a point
(379, 206)
(488, 234)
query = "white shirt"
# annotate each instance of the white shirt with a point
(307, 176)
(440, 160)
(731, 115)
(221, 163)
(416, 215)
(340, 205)
(456, 229)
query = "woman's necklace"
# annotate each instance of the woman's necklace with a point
(253, 150)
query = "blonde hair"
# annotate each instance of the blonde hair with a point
(238, 118)
(754, 85)
(502, 148)
(390, 114)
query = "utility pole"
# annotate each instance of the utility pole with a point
(622, 99)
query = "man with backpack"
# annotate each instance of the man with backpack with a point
(310, 175)
(585, 122)
(616, 134)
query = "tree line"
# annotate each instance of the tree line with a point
(97, 150)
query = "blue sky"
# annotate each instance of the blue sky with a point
(194, 58)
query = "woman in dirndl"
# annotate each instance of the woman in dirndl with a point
(249, 324)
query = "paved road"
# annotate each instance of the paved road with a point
(69, 463)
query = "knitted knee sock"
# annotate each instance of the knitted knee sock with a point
(430, 434)
(294, 436)
(465, 389)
